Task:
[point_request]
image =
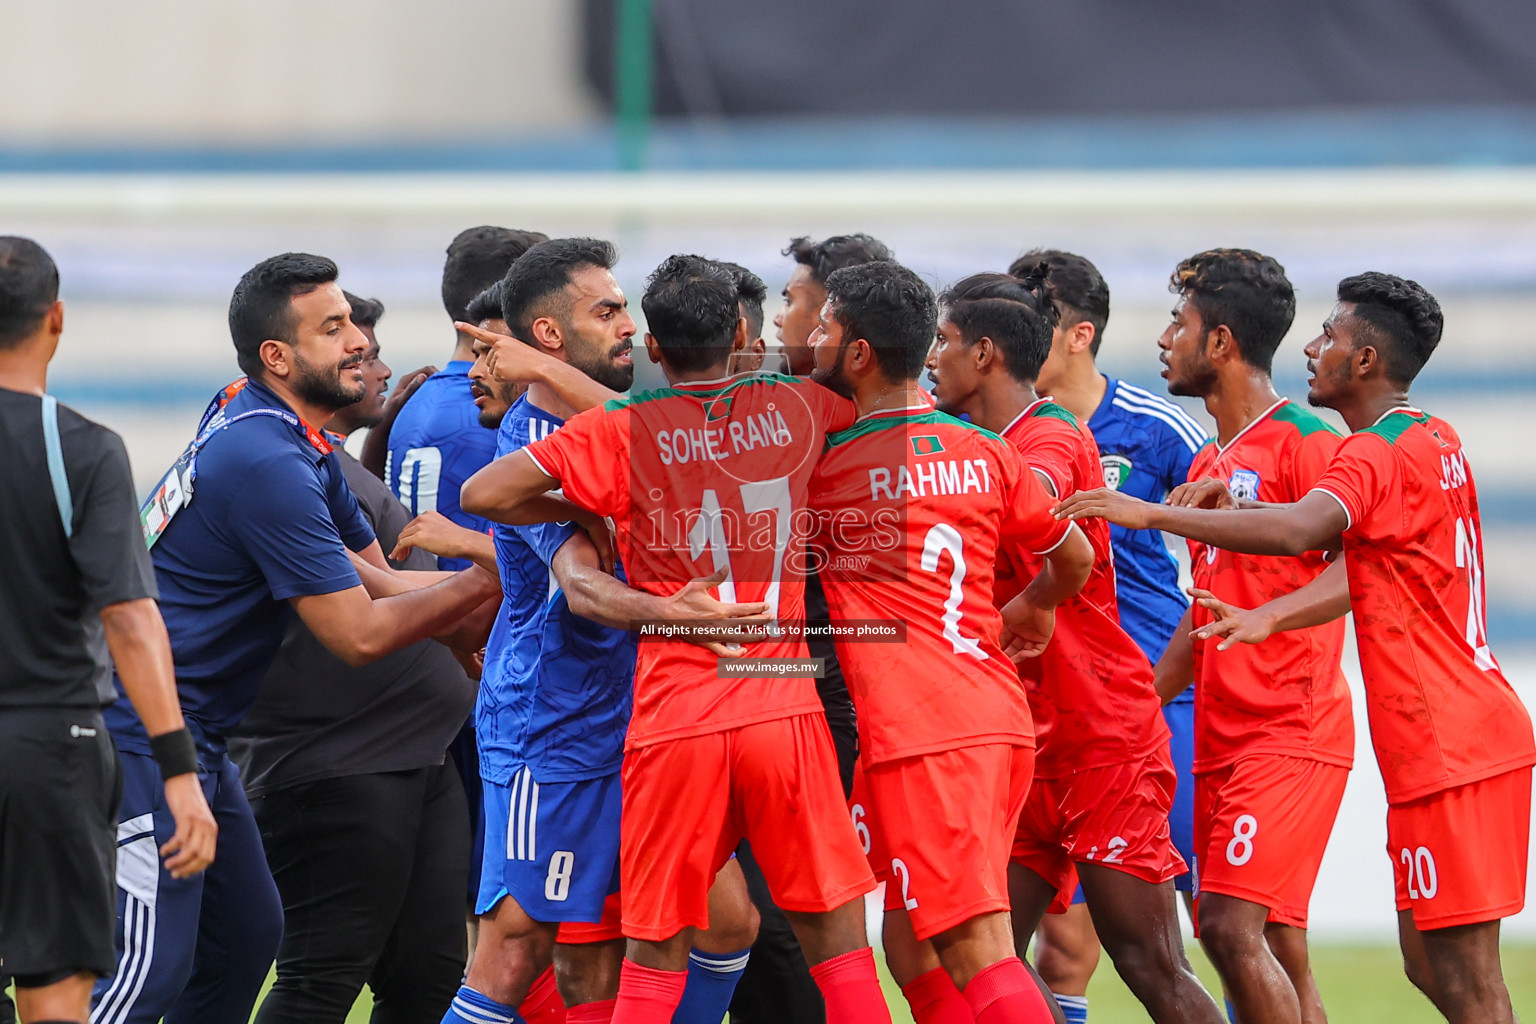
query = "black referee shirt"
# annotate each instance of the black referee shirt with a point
(52, 651)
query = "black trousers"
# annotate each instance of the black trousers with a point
(371, 870)
(777, 987)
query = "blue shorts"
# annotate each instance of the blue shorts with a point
(553, 846)
(1181, 817)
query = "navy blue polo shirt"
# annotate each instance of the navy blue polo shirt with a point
(271, 518)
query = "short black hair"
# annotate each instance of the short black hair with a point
(1016, 313)
(1076, 286)
(259, 308)
(543, 272)
(485, 306)
(751, 292)
(1402, 312)
(478, 258)
(891, 308)
(365, 312)
(29, 286)
(1245, 290)
(830, 255)
(691, 308)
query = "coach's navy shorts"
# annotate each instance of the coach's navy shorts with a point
(552, 846)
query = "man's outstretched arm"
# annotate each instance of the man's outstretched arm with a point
(1311, 524)
(513, 360)
(1323, 600)
(358, 628)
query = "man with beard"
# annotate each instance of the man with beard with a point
(362, 819)
(253, 523)
(712, 755)
(555, 692)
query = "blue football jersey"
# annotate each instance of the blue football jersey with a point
(1147, 444)
(435, 445)
(556, 691)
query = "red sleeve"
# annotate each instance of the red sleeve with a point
(833, 410)
(589, 456)
(1360, 477)
(1054, 452)
(1028, 526)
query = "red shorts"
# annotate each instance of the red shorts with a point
(688, 803)
(1459, 856)
(1261, 826)
(938, 827)
(1116, 816)
(581, 933)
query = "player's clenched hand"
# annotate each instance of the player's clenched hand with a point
(1237, 625)
(1103, 503)
(1026, 629)
(1207, 492)
(191, 849)
(735, 623)
(434, 533)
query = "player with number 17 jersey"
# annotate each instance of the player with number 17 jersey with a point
(699, 477)
(1452, 738)
(915, 508)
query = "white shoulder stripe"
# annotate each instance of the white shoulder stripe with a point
(1193, 441)
(1139, 397)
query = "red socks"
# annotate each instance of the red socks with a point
(543, 1004)
(591, 1013)
(1005, 994)
(851, 989)
(646, 995)
(935, 999)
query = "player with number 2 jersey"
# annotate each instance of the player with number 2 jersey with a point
(916, 508)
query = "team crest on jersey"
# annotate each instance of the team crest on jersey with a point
(928, 444)
(1244, 485)
(1117, 470)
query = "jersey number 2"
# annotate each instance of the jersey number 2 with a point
(944, 538)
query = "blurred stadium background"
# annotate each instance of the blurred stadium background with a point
(161, 148)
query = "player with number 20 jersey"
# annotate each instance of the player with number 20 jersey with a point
(1453, 740)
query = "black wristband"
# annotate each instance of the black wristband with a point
(174, 752)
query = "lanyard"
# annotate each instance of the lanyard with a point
(174, 491)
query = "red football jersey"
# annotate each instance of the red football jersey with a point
(700, 477)
(916, 506)
(1441, 712)
(1091, 691)
(1286, 695)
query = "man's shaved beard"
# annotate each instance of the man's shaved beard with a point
(323, 387)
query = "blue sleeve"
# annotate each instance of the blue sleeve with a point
(1179, 457)
(546, 538)
(346, 513)
(282, 518)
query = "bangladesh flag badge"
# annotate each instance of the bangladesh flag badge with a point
(927, 444)
(719, 409)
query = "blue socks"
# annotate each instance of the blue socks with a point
(712, 979)
(470, 1007)
(1074, 1008)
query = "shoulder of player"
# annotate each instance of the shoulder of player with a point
(1300, 422)
(939, 424)
(80, 436)
(1157, 414)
